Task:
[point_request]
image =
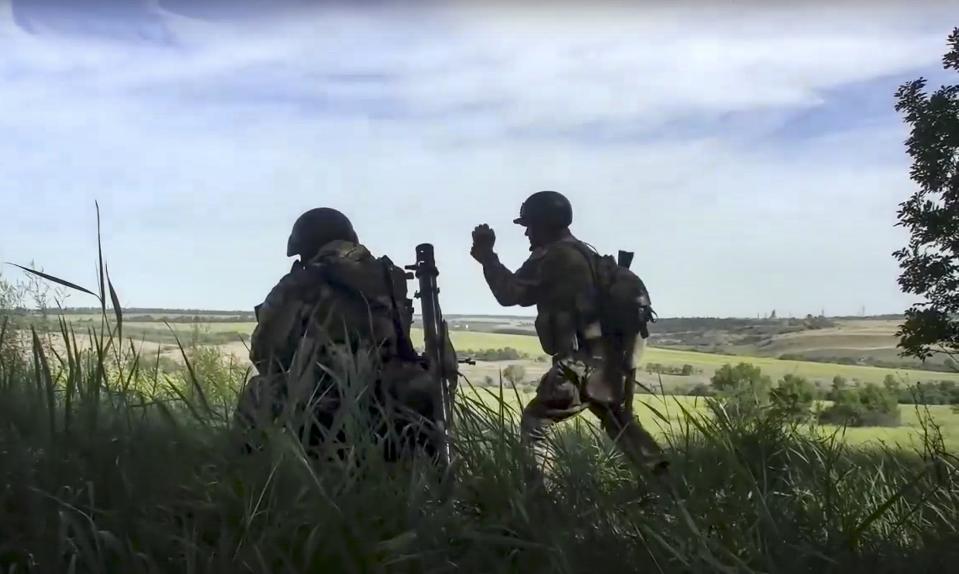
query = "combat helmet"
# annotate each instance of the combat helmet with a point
(548, 209)
(317, 227)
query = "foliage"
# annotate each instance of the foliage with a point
(743, 389)
(120, 473)
(793, 398)
(515, 374)
(818, 322)
(501, 354)
(927, 365)
(930, 393)
(108, 467)
(929, 265)
(870, 405)
(11, 296)
(684, 370)
(839, 384)
(700, 390)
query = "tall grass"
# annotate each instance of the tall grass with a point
(110, 465)
(107, 466)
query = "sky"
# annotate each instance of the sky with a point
(750, 156)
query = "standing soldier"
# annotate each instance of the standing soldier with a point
(577, 324)
(339, 314)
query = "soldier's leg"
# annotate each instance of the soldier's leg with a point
(534, 436)
(258, 406)
(405, 400)
(557, 398)
(632, 439)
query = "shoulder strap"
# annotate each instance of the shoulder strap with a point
(404, 345)
(589, 254)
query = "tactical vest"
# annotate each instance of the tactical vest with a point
(343, 297)
(567, 308)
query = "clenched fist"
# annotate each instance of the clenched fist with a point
(483, 241)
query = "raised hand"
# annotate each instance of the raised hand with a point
(484, 238)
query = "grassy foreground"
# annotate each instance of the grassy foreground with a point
(109, 467)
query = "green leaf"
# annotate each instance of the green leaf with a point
(116, 306)
(63, 282)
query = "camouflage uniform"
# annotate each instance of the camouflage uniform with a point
(333, 318)
(557, 279)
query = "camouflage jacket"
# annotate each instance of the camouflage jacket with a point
(557, 279)
(342, 297)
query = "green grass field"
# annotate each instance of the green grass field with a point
(705, 362)
(905, 435)
(708, 362)
(650, 409)
(240, 328)
(776, 368)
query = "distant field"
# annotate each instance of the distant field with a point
(89, 317)
(244, 328)
(707, 363)
(777, 368)
(849, 338)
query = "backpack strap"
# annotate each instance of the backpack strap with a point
(405, 347)
(589, 253)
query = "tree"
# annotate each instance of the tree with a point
(744, 389)
(701, 390)
(870, 405)
(11, 295)
(794, 397)
(928, 264)
(891, 384)
(838, 384)
(515, 374)
(39, 291)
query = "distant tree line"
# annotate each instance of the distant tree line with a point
(685, 370)
(156, 311)
(195, 319)
(948, 365)
(771, 324)
(502, 354)
(925, 393)
(513, 331)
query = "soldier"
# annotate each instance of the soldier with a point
(559, 278)
(334, 323)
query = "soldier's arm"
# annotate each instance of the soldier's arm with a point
(521, 288)
(277, 317)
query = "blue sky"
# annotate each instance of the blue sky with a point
(750, 157)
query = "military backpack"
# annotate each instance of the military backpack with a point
(622, 299)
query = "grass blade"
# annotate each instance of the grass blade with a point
(103, 298)
(47, 382)
(116, 306)
(49, 277)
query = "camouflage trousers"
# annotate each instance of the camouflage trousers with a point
(572, 386)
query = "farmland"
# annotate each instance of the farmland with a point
(848, 338)
(649, 407)
(231, 337)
